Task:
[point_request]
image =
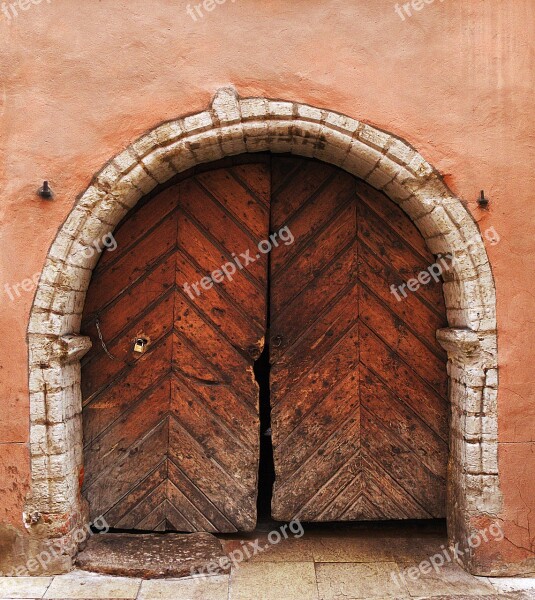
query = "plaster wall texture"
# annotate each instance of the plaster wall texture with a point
(81, 81)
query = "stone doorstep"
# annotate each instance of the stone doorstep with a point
(152, 555)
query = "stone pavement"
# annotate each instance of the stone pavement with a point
(321, 565)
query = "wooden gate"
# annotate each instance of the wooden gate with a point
(358, 381)
(171, 434)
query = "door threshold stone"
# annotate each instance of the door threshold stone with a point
(153, 555)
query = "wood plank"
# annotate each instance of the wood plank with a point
(198, 509)
(108, 487)
(391, 213)
(314, 258)
(221, 359)
(137, 299)
(148, 252)
(123, 437)
(257, 178)
(103, 369)
(320, 337)
(378, 277)
(403, 382)
(395, 251)
(138, 513)
(398, 459)
(295, 393)
(295, 497)
(400, 339)
(240, 417)
(306, 225)
(249, 295)
(103, 409)
(302, 312)
(322, 421)
(120, 512)
(250, 211)
(140, 222)
(236, 501)
(290, 194)
(218, 306)
(403, 423)
(223, 229)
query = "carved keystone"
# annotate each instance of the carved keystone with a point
(226, 107)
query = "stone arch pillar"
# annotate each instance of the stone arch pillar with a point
(230, 126)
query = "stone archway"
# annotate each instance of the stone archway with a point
(233, 126)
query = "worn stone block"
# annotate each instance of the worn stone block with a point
(150, 556)
(310, 113)
(158, 165)
(253, 108)
(125, 161)
(170, 132)
(144, 145)
(226, 107)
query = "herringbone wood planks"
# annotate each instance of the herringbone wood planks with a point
(171, 436)
(358, 382)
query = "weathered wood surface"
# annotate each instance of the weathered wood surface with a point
(358, 382)
(171, 436)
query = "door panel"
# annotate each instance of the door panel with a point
(172, 435)
(358, 381)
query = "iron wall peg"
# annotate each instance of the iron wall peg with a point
(482, 201)
(45, 191)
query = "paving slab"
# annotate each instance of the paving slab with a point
(198, 588)
(259, 548)
(358, 580)
(89, 586)
(351, 550)
(273, 581)
(24, 587)
(512, 584)
(518, 595)
(448, 580)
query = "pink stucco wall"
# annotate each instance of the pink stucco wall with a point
(81, 80)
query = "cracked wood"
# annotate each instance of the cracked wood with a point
(172, 435)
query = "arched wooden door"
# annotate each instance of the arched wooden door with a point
(358, 382)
